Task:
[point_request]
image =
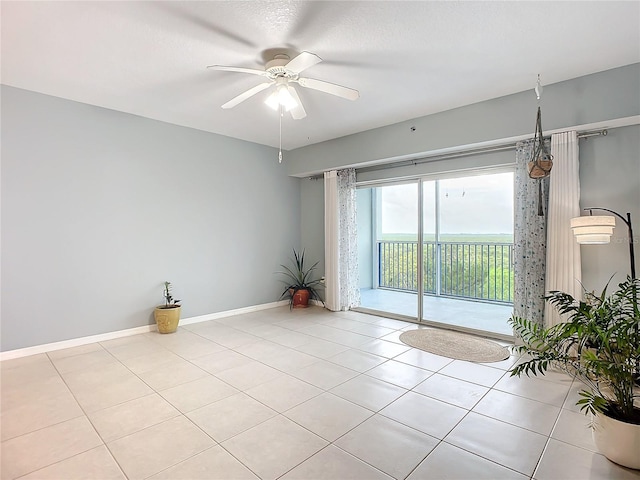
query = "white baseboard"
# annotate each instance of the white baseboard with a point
(230, 313)
(76, 342)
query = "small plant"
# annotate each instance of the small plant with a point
(599, 344)
(169, 301)
(298, 278)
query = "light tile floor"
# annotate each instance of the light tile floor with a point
(302, 394)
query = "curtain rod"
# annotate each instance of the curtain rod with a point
(594, 133)
(459, 154)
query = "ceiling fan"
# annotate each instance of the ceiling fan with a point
(283, 72)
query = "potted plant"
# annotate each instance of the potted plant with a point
(599, 344)
(300, 284)
(167, 316)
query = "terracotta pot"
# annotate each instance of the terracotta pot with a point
(541, 167)
(167, 318)
(301, 299)
(618, 441)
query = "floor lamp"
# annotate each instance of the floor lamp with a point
(594, 229)
(597, 229)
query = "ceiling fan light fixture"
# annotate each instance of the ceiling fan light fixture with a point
(281, 97)
(285, 98)
(272, 101)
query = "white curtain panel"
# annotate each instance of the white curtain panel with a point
(564, 270)
(340, 231)
(331, 244)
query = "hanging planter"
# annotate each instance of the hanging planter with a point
(541, 161)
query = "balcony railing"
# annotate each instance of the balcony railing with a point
(480, 271)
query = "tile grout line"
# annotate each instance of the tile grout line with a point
(282, 414)
(84, 414)
(180, 414)
(154, 392)
(378, 412)
(239, 433)
(443, 440)
(555, 423)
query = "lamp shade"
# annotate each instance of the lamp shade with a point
(593, 229)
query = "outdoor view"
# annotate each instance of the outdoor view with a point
(473, 255)
(467, 244)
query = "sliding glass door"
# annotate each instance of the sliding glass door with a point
(388, 255)
(439, 250)
(471, 250)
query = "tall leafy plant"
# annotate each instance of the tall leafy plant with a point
(599, 343)
(298, 278)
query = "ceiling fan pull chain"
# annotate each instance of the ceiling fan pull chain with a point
(280, 152)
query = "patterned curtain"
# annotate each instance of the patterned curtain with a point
(530, 239)
(348, 246)
(341, 254)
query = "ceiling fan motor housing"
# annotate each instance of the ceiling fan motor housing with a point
(276, 67)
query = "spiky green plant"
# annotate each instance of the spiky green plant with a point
(599, 343)
(169, 301)
(299, 278)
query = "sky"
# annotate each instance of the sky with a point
(477, 204)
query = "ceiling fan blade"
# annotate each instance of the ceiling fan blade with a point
(226, 68)
(207, 26)
(302, 62)
(249, 93)
(332, 88)
(298, 111)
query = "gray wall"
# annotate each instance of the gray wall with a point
(100, 207)
(312, 223)
(610, 178)
(500, 159)
(593, 98)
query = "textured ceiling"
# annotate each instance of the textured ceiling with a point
(407, 59)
